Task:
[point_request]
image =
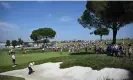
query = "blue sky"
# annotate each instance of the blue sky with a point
(18, 19)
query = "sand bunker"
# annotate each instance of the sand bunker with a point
(51, 71)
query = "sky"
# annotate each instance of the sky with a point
(19, 19)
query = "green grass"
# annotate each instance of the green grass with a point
(23, 60)
(95, 61)
(6, 59)
(3, 77)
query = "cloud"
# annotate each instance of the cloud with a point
(8, 31)
(65, 19)
(7, 26)
(5, 5)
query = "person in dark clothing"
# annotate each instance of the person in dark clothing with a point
(115, 50)
(124, 52)
(129, 50)
(86, 49)
(121, 50)
(109, 49)
(95, 49)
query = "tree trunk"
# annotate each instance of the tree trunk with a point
(101, 37)
(46, 42)
(114, 33)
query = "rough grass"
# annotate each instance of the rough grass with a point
(98, 61)
(3, 77)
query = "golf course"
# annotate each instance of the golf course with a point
(68, 59)
(66, 40)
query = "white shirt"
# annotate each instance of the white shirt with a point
(130, 50)
(43, 49)
(116, 46)
(13, 56)
(69, 50)
(61, 50)
(31, 64)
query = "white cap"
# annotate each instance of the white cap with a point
(33, 63)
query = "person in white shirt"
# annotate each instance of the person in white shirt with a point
(30, 68)
(43, 49)
(115, 49)
(61, 49)
(9, 52)
(13, 60)
(69, 50)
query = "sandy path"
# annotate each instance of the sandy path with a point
(51, 71)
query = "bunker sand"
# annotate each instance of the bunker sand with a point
(52, 71)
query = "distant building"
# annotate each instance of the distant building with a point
(2, 45)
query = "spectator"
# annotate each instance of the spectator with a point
(61, 49)
(129, 50)
(115, 50)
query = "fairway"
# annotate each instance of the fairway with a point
(6, 59)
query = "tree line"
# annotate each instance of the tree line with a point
(41, 35)
(14, 42)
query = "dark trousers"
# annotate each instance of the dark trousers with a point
(30, 70)
(13, 60)
(129, 54)
(115, 52)
(122, 53)
(111, 52)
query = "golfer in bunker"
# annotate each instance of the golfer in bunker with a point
(30, 68)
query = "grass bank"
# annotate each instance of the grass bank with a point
(3, 77)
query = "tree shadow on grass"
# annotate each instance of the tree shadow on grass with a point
(82, 53)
